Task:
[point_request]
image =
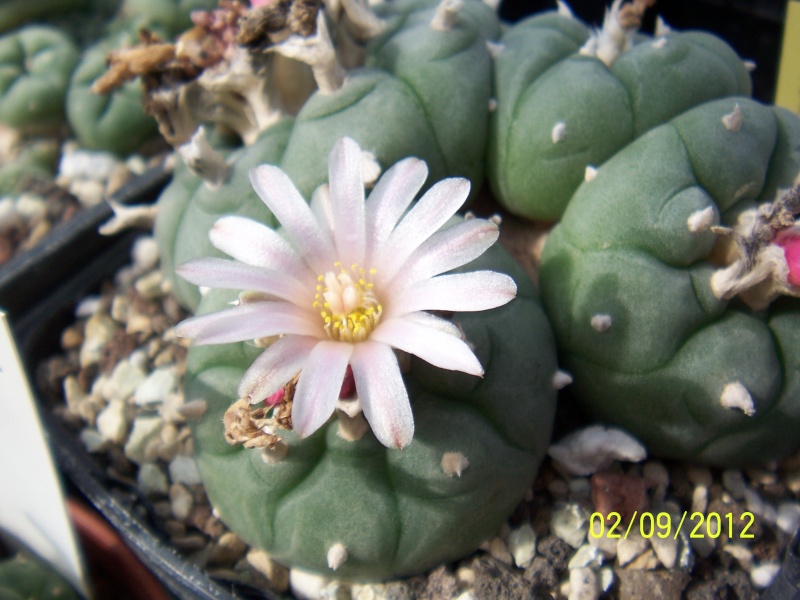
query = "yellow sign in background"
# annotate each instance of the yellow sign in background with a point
(787, 93)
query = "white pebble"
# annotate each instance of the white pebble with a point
(788, 518)
(145, 254)
(9, 217)
(181, 501)
(522, 545)
(583, 584)
(762, 575)
(606, 578)
(124, 380)
(145, 430)
(655, 472)
(31, 206)
(594, 448)
(151, 480)
(586, 556)
(86, 164)
(92, 440)
(630, 548)
(183, 469)
(700, 499)
(666, 549)
(570, 523)
(157, 386)
(112, 421)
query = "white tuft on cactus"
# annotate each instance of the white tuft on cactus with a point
(561, 379)
(454, 463)
(733, 120)
(601, 322)
(735, 395)
(700, 220)
(337, 556)
(559, 132)
(589, 173)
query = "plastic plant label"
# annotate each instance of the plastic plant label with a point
(788, 90)
(31, 500)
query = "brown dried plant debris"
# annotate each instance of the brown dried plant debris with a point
(274, 22)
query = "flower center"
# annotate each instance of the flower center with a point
(347, 304)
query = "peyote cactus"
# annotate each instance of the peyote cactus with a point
(667, 328)
(421, 462)
(116, 121)
(35, 65)
(568, 99)
(23, 576)
(429, 69)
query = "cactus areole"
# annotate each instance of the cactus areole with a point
(685, 248)
(372, 438)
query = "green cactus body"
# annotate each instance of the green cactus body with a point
(115, 121)
(23, 577)
(394, 512)
(559, 111)
(435, 108)
(188, 207)
(35, 67)
(167, 17)
(626, 281)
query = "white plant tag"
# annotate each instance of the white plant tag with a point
(31, 500)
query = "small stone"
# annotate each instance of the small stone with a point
(454, 463)
(580, 487)
(570, 524)
(656, 473)
(666, 549)
(763, 575)
(741, 553)
(151, 480)
(788, 517)
(150, 285)
(630, 547)
(647, 560)
(595, 447)
(88, 193)
(704, 546)
(755, 504)
(494, 580)
(620, 493)
(605, 545)
(183, 469)
(522, 545)
(92, 440)
(304, 585)
(585, 556)
(605, 578)
(653, 585)
(71, 338)
(555, 550)
(541, 574)
(442, 584)
(583, 584)
(31, 207)
(733, 481)
(194, 409)
(156, 386)
(98, 332)
(124, 380)
(181, 501)
(112, 422)
(499, 551)
(145, 254)
(145, 430)
(700, 499)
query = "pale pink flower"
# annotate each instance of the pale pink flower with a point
(348, 282)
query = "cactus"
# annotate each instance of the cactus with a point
(667, 332)
(35, 65)
(356, 509)
(431, 81)
(114, 122)
(23, 576)
(567, 99)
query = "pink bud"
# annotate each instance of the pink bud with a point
(789, 240)
(274, 398)
(348, 385)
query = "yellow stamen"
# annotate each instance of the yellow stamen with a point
(350, 309)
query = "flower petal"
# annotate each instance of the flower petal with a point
(232, 275)
(473, 291)
(275, 367)
(347, 199)
(428, 343)
(383, 394)
(430, 320)
(279, 194)
(322, 208)
(248, 322)
(319, 385)
(254, 243)
(389, 199)
(447, 249)
(431, 212)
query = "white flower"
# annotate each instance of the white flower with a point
(349, 282)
